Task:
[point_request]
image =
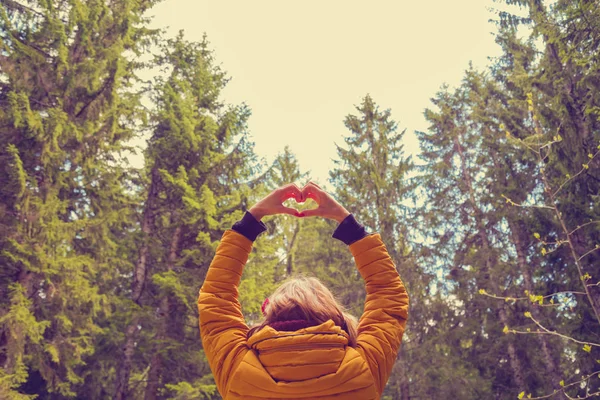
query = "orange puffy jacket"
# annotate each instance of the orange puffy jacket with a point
(311, 363)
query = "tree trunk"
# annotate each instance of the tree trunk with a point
(164, 312)
(403, 378)
(513, 357)
(291, 251)
(139, 280)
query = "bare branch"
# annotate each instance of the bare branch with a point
(512, 203)
(581, 171)
(563, 225)
(508, 298)
(549, 332)
(584, 225)
(568, 385)
(589, 252)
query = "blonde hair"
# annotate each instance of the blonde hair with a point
(306, 298)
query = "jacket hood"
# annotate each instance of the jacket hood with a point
(285, 354)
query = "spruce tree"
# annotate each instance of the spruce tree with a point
(457, 215)
(67, 108)
(191, 198)
(371, 177)
(285, 169)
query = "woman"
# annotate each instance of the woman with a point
(307, 347)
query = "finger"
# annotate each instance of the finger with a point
(291, 191)
(298, 193)
(301, 198)
(315, 212)
(312, 191)
(289, 210)
(314, 185)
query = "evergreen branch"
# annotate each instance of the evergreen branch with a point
(26, 9)
(41, 103)
(24, 43)
(22, 7)
(143, 378)
(106, 85)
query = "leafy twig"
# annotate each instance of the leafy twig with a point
(549, 332)
(589, 252)
(581, 171)
(509, 298)
(584, 225)
(564, 387)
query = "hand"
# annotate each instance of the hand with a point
(272, 204)
(328, 207)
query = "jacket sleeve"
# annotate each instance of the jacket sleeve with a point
(222, 326)
(382, 324)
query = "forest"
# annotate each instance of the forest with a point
(494, 227)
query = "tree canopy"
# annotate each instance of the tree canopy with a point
(494, 226)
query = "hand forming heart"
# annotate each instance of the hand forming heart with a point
(328, 207)
(272, 204)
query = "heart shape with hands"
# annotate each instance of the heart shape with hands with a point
(272, 204)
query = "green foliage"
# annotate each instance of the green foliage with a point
(186, 391)
(23, 328)
(482, 176)
(67, 108)
(495, 231)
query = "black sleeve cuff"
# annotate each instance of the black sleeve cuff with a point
(249, 226)
(349, 230)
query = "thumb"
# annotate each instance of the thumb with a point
(315, 212)
(288, 210)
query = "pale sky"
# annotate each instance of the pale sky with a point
(302, 67)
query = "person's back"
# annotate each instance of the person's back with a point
(307, 347)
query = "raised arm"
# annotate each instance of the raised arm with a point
(222, 326)
(382, 324)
